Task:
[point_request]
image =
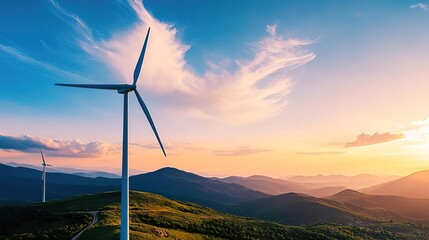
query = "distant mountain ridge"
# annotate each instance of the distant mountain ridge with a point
(415, 185)
(351, 182)
(24, 184)
(181, 185)
(273, 186)
(408, 207)
(75, 171)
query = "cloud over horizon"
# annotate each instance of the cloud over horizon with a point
(239, 151)
(60, 148)
(376, 138)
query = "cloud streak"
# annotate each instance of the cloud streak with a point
(320, 153)
(420, 6)
(61, 148)
(376, 138)
(25, 58)
(73, 20)
(256, 90)
(240, 151)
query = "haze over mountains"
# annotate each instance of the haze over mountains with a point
(352, 182)
(415, 185)
(417, 209)
(75, 171)
(274, 186)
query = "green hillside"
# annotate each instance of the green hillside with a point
(155, 217)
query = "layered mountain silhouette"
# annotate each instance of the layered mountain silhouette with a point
(415, 185)
(267, 185)
(351, 182)
(234, 195)
(298, 209)
(275, 186)
(408, 207)
(181, 185)
(24, 184)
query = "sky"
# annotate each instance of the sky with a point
(272, 87)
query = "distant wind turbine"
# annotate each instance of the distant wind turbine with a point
(125, 89)
(44, 176)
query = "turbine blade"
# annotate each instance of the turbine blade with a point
(49, 165)
(140, 61)
(149, 118)
(43, 158)
(95, 86)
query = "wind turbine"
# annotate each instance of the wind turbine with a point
(44, 176)
(125, 89)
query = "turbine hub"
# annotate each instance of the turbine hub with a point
(126, 88)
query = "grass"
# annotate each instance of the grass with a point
(155, 217)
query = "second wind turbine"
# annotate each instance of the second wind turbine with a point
(125, 89)
(44, 177)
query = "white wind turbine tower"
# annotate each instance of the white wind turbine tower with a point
(44, 176)
(125, 89)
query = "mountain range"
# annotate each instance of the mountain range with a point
(24, 184)
(350, 182)
(418, 209)
(236, 195)
(415, 185)
(274, 186)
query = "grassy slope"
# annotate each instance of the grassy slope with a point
(152, 213)
(35, 223)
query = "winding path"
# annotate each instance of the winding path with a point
(94, 221)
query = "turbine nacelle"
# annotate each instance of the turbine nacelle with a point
(126, 88)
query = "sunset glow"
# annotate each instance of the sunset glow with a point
(274, 88)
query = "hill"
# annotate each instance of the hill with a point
(185, 186)
(408, 207)
(155, 217)
(298, 209)
(415, 185)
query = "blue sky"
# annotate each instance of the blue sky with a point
(256, 79)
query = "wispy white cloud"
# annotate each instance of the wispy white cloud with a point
(63, 148)
(272, 30)
(73, 20)
(19, 55)
(420, 6)
(256, 90)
